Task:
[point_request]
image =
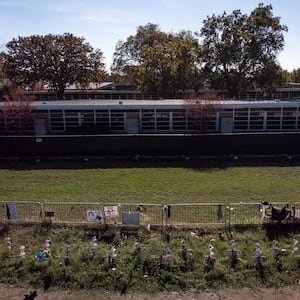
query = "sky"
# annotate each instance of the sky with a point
(103, 23)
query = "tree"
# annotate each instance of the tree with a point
(269, 78)
(16, 110)
(128, 55)
(56, 60)
(157, 62)
(238, 50)
(1, 67)
(286, 77)
(295, 75)
(202, 109)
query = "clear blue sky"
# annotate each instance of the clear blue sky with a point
(104, 23)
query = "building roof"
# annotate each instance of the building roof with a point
(153, 104)
(108, 104)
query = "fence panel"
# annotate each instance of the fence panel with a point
(244, 213)
(131, 213)
(147, 213)
(73, 212)
(189, 214)
(88, 213)
(247, 213)
(18, 212)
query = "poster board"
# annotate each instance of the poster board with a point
(111, 212)
(11, 211)
(94, 216)
(131, 218)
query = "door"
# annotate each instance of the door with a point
(226, 125)
(40, 126)
(132, 125)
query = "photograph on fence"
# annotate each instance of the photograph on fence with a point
(111, 211)
(94, 216)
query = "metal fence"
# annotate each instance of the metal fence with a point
(244, 213)
(25, 212)
(134, 214)
(193, 214)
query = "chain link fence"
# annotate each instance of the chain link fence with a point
(132, 214)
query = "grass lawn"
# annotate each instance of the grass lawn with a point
(149, 181)
(152, 180)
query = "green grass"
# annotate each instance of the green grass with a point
(152, 181)
(148, 181)
(83, 272)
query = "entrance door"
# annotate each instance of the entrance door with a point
(40, 126)
(226, 125)
(132, 125)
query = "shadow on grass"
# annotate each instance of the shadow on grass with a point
(276, 230)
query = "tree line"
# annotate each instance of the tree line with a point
(231, 52)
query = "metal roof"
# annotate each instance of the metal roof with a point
(108, 104)
(154, 104)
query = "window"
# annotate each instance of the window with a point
(256, 119)
(162, 120)
(148, 120)
(57, 120)
(179, 120)
(241, 119)
(273, 118)
(289, 118)
(102, 118)
(117, 120)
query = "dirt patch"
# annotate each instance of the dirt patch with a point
(290, 293)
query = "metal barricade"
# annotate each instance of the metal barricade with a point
(191, 214)
(135, 214)
(21, 212)
(145, 213)
(73, 212)
(244, 213)
(248, 213)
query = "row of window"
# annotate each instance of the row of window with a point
(269, 119)
(149, 120)
(178, 120)
(161, 120)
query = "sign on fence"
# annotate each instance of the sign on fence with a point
(11, 211)
(94, 216)
(111, 211)
(131, 218)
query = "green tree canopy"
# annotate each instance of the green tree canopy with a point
(239, 51)
(295, 75)
(57, 60)
(157, 62)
